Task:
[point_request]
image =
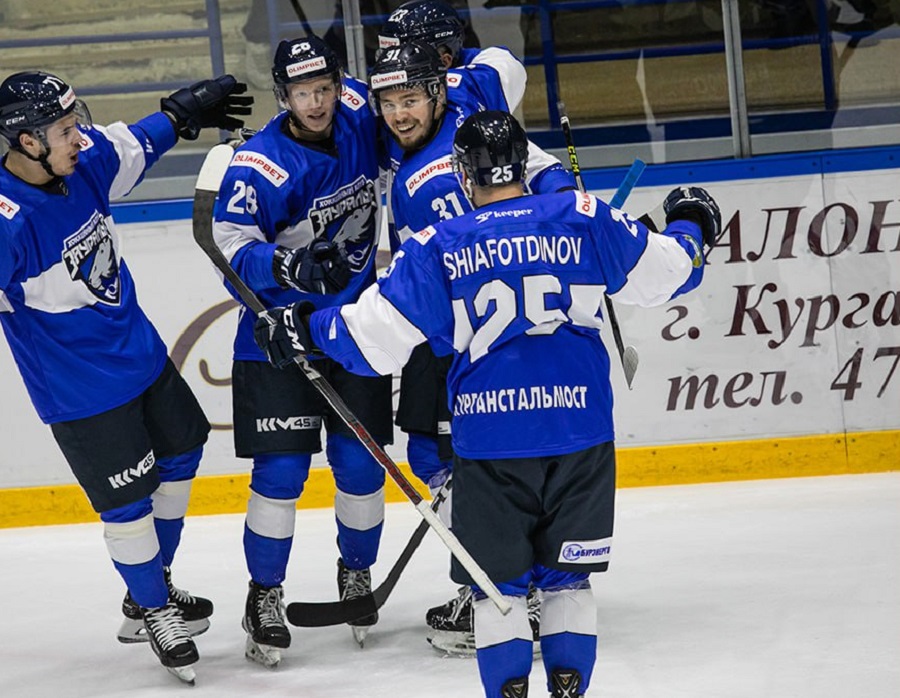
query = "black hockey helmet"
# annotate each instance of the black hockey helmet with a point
(491, 148)
(414, 64)
(31, 101)
(306, 58)
(431, 21)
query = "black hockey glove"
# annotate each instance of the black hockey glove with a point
(319, 268)
(283, 333)
(206, 104)
(696, 205)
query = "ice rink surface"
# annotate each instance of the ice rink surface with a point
(765, 589)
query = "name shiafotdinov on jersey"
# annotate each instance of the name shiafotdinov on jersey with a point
(512, 251)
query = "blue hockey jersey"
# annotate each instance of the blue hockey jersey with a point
(424, 189)
(277, 191)
(67, 300)
(517, 289)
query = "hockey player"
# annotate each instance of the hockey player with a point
(513, 286)
(94, 366)
(410, 88)
(298, 218)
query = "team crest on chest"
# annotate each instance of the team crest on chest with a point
(350, 213)
(90, 257)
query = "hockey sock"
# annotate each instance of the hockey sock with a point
(359, 501)
(569, 628)
(170, 501)
(275, 485)
(131, 540)
(422, 452)
(504, 644)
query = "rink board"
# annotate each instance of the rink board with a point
(784, 362)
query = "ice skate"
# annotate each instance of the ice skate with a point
(264, 624)
(353, 583)
(168, 635)
(565, 683)
(450, 626)
(195, 610)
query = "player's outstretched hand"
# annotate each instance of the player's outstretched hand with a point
(696, 205)
(283, 333)
(207, 104)
(320, 268)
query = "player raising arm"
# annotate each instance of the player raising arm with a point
(516, 288)
(94, 366)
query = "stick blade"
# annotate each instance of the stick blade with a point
(214, 165)
(319, 615)
(630, 364)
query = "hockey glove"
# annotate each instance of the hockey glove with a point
(206, 104)
(696, 205)
(319, 268)
(283, 333)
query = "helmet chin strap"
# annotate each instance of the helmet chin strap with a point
(43, 158)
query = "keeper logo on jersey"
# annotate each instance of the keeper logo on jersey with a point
(90, 257)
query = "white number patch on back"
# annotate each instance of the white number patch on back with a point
(531, 304)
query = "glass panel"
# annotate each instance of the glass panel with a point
(819, 70)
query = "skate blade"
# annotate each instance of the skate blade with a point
(266, 655)
(133, 631)
(453, 644)
(359, 634)
(185, 674)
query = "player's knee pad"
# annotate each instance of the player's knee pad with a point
(493, 628)
(131, 542)
(567, 604)
(280, 475)
(170, 500)
(181, 467)
(422, 452)
(360, 512)
(271, 518)
(355, 471)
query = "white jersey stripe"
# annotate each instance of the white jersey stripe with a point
(131, 158)
(231, 237)
(512, 73)
(661, 270)
(385, 354)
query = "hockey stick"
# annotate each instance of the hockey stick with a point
(207, 187)
(311, 614)
(627, 355)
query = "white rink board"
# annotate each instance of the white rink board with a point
(811, 307)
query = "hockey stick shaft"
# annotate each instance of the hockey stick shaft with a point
(208, 181)
(628, 356)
